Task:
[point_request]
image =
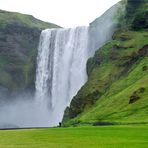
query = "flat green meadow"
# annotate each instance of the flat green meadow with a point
(125, 136)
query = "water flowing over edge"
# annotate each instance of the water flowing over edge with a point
(65, 63)
(61, 68)
(61, 62)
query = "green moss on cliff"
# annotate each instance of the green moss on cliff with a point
(137, 14)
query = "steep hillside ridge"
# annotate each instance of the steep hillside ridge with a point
(9, 18)
(102, 28)
(19, 37)
(117, 87)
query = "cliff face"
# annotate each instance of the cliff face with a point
(117, 87)
(19, 38)
(102, 28)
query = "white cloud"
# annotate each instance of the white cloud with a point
(66, 13)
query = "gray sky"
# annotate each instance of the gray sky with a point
(66, 13)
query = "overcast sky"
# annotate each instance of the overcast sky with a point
(66, 13)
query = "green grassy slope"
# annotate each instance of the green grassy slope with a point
(114, 80)
(117, 87)
(80, 137)
(26, 20)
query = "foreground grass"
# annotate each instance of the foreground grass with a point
(78, 137)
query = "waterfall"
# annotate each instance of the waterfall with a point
(60, 72)
(61, 62)
(61, 68)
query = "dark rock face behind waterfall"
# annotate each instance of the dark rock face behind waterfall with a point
(19, 37)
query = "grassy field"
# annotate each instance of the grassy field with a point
(131, 136)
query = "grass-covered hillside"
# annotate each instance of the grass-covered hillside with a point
(9, 18)
(117, 87)
(19, 38)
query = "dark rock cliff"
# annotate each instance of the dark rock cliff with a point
(19, 39)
